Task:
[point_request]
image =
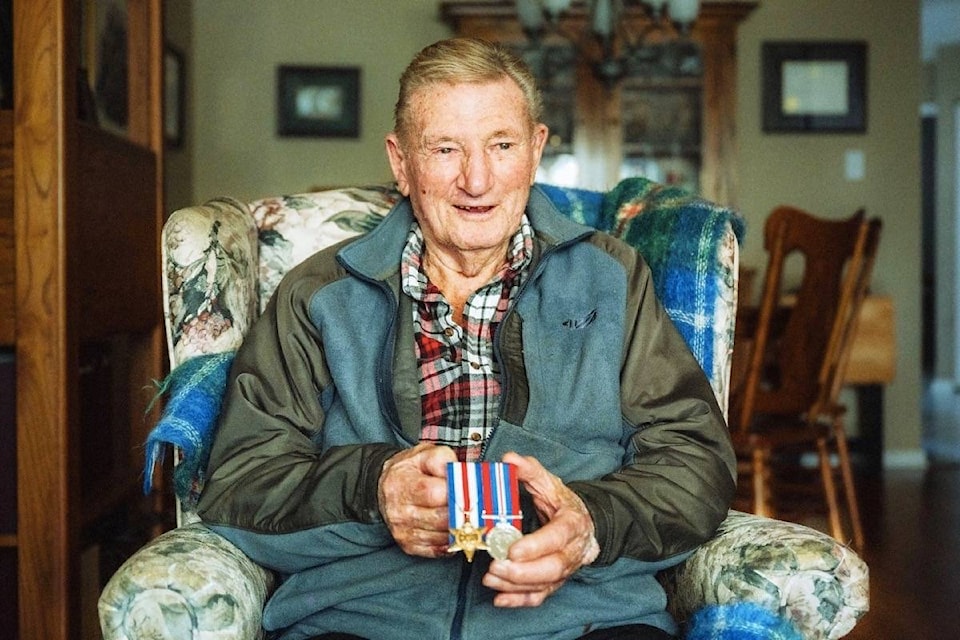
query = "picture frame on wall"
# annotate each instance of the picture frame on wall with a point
(318, 101)
(814, 87)
(174, 88)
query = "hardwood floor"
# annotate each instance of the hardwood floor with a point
(912, 523)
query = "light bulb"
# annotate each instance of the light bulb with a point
(530, 14)
(684, 11)
(556, 7)
(603, 17)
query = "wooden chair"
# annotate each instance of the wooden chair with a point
(787, 403)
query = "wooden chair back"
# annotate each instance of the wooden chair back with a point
(855, 291)
(802, 338)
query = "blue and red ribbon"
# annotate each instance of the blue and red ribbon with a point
(483, 493)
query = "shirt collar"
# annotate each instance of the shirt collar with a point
(519, 254)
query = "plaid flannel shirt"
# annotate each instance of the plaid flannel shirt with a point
(459, 377)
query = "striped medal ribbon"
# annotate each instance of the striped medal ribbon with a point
(484, 507)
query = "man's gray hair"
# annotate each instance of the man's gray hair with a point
(458, 60)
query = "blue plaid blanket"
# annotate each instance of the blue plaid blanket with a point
(194, 393)
(739, 621)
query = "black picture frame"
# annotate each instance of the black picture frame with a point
(174, 88)
(318, 101)
(814, 87)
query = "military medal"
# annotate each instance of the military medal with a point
(501, 508)
(463, 504)
(484, 508)
(466, 538)
(499, 538)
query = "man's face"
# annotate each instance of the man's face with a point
(468, 164)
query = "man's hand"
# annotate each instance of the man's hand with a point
(413, 499)
(539, 563)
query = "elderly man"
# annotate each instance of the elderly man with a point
(475, 324)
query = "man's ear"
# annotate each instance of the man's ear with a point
(540, 134)
(398, 163)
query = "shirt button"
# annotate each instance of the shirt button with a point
(475, 436)
(448, 331)
(475, 365)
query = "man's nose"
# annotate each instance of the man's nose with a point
(476, 175)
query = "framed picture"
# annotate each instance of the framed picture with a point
(174, 87)
(318, 101)
(814, 87)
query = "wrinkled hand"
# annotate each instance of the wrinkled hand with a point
(413, 499)
(539, 563)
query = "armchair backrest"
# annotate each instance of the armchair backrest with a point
(222, 261)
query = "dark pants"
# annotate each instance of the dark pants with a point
(631, 632)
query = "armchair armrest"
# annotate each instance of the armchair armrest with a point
(802, 574)
(210, 258)
(187, 583)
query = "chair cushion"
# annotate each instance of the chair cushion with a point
(209, 253)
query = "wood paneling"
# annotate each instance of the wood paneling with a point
(113, 264)
(7, 258)
(87, 209)
(45, 378)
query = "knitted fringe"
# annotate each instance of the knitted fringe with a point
(195, 390)
(739, 621)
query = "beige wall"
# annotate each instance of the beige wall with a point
(807, 170)
(236, 152)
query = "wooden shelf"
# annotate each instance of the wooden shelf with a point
(7, 257)
(85, 303)
(686, 82)
(118, 290)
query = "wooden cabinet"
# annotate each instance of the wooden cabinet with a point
(681, 126)
(79, 304)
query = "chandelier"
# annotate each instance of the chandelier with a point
(619, 50)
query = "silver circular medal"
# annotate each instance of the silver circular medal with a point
(499, 539)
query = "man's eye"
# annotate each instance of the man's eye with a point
(504, 146)
(445, 150)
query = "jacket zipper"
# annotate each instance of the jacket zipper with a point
(456, 627)
(496, 338)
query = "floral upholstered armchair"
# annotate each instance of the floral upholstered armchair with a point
(222, 261)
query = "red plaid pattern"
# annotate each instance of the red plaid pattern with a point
(459, 377)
